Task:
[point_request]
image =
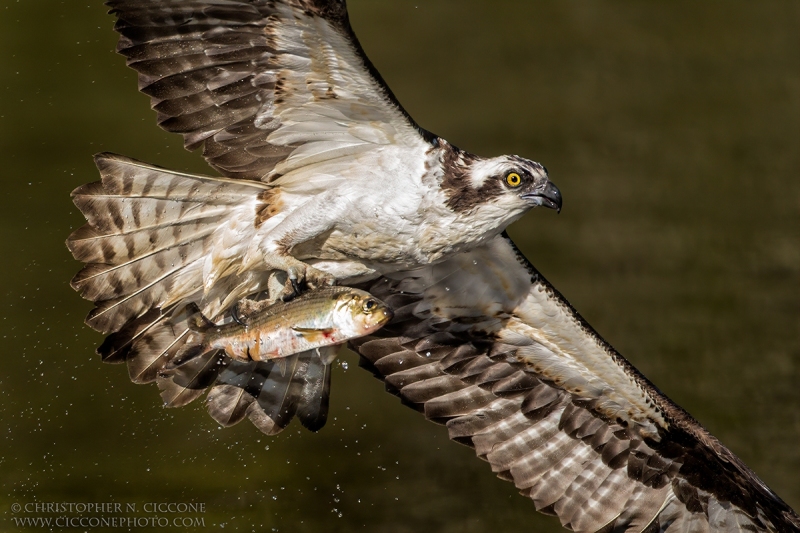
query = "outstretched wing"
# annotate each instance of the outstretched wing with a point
(268, 89)
(483, 344)
(264, 86)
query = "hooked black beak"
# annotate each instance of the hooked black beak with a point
(550, 197)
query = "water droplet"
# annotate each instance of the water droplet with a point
(344, 365)
(266, 447)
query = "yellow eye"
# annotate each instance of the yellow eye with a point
(513, 180)
(369, 305)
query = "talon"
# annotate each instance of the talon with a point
(295, 287)
(290, 291)
(235, 315)
(295, 276)
(296, 273)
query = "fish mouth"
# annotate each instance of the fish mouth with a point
(379, 318)
(385, 315)
(549, 196)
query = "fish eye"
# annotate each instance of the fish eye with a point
(369, 305)
(513, 179)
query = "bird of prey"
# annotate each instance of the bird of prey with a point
(325, 178)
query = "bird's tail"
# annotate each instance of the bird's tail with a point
(151, 235)
(157, 240)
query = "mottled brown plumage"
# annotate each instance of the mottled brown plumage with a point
(461, 367)
(323, 166)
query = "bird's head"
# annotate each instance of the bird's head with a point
(503, 187)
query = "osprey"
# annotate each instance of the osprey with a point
(325, 178)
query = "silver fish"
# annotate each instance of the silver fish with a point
(322, 317)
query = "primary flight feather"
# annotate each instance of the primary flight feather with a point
(326, 179)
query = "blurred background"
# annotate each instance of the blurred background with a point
(673, 131)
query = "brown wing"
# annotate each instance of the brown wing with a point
(483, 344)
(148, 231)
(266, 87)
(262, 86)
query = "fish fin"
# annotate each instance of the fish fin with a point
(314, 334)
(311, 330)
(312, 408)
(280, 364)
(328, 354)
(194, 346)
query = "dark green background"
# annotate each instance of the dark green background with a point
(673, 131)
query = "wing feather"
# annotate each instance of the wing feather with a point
(484, 344)
(256, 82)
(280, 91)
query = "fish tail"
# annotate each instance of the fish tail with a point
(186, 354)
(195, 345)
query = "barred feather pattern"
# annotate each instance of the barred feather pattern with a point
(148, 239)
(551, 407)
(265, 87)
(270, 394)
(279, 94)
(276, 93)
(148, 236)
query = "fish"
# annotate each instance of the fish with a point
(317, 318)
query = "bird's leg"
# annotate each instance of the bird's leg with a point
(304, 223)
(297, 272)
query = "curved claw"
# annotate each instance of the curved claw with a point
(236, 316)
(295, 287)
(302, 277)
